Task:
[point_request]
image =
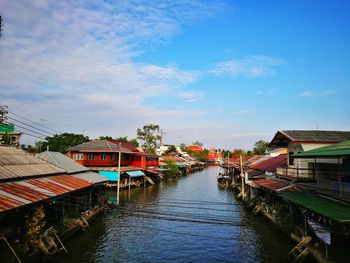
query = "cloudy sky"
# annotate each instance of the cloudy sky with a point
(226, 73)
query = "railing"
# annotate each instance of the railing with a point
(296, 173)
(337, 187)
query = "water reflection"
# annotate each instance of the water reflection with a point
(181, 220)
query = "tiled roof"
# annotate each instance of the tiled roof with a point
(15, 163)
(99, 146)
(62, 161)
(127, 145)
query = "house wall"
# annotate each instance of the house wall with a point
(111, 159)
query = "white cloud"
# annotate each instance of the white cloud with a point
(241, 112)
(321, 93)
(265, 92)
(75, 62)
(250, 67)
(191, 96)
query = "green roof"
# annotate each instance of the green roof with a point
(321, 205)
(333, 150)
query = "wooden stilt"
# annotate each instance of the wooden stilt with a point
(12, 250)
(59, 240)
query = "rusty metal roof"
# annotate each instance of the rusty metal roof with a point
(269, 165)
(16, 163)
(24, 192)
(278, 185)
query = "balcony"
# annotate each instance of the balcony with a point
(296, 173)
(332, 181)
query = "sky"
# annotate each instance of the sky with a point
(225, 73)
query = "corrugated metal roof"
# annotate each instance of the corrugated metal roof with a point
(270, 164)
(137, 173)
(324, 206)
(16, 163)
(282, 138)
(99, 145)
(277, 185)
(19, 193)
(91, 177)
(62, 161)
(334, 150)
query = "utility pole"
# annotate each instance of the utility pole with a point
(119, 162)
(242, 177)
(1, 25)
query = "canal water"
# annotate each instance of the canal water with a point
(188, 219)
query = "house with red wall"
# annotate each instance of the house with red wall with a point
(103, 153)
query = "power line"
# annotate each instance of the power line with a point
(30, 125)
(26, 133)
(35, 132)
(33, 121)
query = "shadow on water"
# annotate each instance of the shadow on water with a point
(180, 220)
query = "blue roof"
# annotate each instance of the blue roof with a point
(112, 176)
(136, 173)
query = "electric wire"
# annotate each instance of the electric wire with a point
(32, 121)
(35, 132)
(30, 126)
(28, 134)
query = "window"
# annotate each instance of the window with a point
(114, 157)
(103, 156)
(91, 156)
(78, 156)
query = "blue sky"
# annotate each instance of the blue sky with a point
(226, 73)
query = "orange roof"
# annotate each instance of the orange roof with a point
(195, 148)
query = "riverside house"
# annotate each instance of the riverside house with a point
(103, 156)
(297, 141)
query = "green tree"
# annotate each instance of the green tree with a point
(171, 149)
(150, 137)
(261, 147)
(183, 147)
(173, 168)
(201, 156)
(237, 152)
(135, 142)
(60, 142)
(28, 148)
(122, 139)
(198, 143)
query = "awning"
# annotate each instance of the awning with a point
(24, 192)
(321, 205)
(111, 176)
(137, 173)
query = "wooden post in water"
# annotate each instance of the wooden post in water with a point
(119, 161)
(242, 177)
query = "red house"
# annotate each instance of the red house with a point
(103, 153)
